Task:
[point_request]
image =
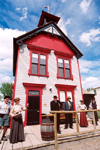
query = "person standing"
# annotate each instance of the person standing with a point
(83, 119)
(4, 116)
(56, 106)
(68, 106)
(17, 129)
(93, 105)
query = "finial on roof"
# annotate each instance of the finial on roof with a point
(47, 8)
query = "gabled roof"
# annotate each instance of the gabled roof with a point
(19, 40)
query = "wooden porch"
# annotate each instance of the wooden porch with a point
(33, 137)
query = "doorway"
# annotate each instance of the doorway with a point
(33, 110)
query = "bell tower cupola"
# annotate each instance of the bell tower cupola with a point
(47, 17)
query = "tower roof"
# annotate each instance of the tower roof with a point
(47, 17)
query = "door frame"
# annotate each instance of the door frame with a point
(37, 87)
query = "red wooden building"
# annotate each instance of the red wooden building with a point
(45, 63)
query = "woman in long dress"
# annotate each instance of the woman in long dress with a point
(83, 119)
(17, 129)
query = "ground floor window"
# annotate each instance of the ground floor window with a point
(64, 91)
(64, 94)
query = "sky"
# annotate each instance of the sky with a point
(80, 21)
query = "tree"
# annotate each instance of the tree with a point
(1, 97)
(6, 89)
(89, 89)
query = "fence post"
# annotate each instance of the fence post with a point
(55, 127)
(94, 121)
(77, 124)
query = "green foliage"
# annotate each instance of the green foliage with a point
(99, 114)
(89, 89)
(1, 97)
(6, 89)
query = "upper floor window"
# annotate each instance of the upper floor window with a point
(36, 67)
(38, 61)
(64, 68)
(42, 64)
(67, 68)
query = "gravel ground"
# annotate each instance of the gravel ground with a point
(85, 144)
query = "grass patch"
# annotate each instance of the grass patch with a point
(99, 114)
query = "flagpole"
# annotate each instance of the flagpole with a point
(48, 8)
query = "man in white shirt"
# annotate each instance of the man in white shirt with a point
(4, 115)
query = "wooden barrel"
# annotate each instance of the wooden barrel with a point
(47, 129)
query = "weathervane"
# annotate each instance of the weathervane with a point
(47, 8)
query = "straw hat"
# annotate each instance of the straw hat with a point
(68, 97)
(16, 99)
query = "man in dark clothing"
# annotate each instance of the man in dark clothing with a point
(56, 105)
(94, 106)
(68, 106)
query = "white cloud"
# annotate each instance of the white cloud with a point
(61, 24)
(92, 35)
(90, 79)
(17, 9)
(5, 79)
(67, 22)
(86, 66)
(6, 65)
(89, 68)
(85, 5)
(24, 11)
(91, 82)
(6, 42)
(63, 1)
(6, 52)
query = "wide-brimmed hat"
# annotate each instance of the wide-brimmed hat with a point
(81, 100)
(16, 99)
(68, 97)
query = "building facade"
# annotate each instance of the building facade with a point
(45, 63)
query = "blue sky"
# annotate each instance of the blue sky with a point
(80, 21)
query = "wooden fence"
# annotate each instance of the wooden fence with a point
(54, 113)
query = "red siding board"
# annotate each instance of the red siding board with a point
(49, 42)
